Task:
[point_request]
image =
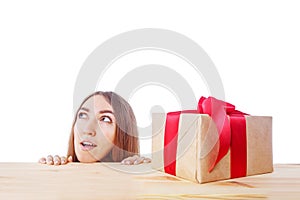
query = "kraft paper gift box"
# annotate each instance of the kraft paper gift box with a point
(198, 150)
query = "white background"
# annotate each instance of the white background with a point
(255, 46)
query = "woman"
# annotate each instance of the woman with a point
(104, 129)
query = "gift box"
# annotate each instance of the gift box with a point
(214, 142)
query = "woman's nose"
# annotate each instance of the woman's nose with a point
(89, 132)
(89, 128)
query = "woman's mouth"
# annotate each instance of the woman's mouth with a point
(87, 145)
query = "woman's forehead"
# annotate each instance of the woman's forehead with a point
(97, 103)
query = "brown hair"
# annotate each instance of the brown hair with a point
(126, 141)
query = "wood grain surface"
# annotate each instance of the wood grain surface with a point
(116, 181)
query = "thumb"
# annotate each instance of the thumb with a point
(70, 159)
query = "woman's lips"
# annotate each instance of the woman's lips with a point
(87, 145)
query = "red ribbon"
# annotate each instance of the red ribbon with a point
(231, 126)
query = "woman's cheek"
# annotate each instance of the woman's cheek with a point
(76, 136)
(109, 133)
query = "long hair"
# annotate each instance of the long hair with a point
(126, 141)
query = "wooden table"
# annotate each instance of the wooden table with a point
(115, 181)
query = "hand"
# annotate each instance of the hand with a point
(56, 160)
(135, 160)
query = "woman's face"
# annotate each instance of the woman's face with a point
(94, 130)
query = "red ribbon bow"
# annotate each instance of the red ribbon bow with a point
(231, 126)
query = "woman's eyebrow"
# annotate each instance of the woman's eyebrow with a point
(100, 112)
(106, 111)
(85, 109)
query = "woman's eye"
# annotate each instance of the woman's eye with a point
(106, 119)
(82, 115)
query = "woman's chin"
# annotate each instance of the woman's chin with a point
(85, 159)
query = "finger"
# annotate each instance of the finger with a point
(139, 160)
(124, 160)
(128, 161)
(42, 160)
(147, 160)
(49, 160)
(70, 159)
(56, 160)
(63, 160)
